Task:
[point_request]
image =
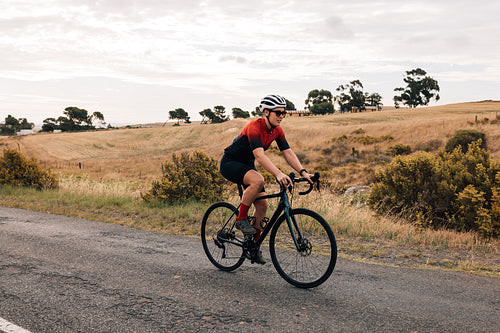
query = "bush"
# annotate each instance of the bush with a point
(463, 138)
(16, 169)
(188, 177)
(366, 140)
(399, 149)
(454, 190)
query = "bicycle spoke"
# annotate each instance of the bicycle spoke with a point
(217, 235)
(313, 261)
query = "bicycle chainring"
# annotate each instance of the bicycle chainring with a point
(250, 249)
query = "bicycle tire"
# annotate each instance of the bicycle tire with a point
(312, 265)
(223, 255)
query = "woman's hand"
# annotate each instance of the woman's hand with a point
(284, 179)
(308, 176)
(303, 173)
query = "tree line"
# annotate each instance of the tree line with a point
(420, 90)
(12, 125)
(73, 119)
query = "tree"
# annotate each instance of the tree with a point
(214, 117)
(77, 117)
(373, 99)
(257, 112)
(49, 125)
(420, 89)
(179, 114)
(239, 113)
(320, 102)
(13, 125)
(289, 105)
(98, 116)
(206, 115)
(74, 119)
(220, 116)
(351, 96)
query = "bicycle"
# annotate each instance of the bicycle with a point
(301, 243)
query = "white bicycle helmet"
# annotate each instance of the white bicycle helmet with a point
(272, 102)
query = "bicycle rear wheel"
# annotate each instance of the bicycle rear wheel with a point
(217, 230)
(313, 262)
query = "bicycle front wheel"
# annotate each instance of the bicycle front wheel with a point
(310, 260)
(218, 236)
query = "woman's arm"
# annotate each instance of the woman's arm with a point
(267, 164)
(294, 162)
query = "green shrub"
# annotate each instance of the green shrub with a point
(386, 137)
(193, 176)
(463, 138)
(16, 169)
(343, 137)
(471, 210)
(366, 140)
(494, 228)
(454, 190)
(399, 149)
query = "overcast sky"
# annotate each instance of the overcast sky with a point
(135, 60)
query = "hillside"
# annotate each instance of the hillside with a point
(324, 143)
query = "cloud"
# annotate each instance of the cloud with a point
(232, 58)
(238, 49)
(337, 29)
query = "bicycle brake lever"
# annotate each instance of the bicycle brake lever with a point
(315, 179)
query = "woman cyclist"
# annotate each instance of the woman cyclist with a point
(237, 164)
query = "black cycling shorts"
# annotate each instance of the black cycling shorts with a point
(235, 171)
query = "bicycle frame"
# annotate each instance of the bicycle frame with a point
(283, 208)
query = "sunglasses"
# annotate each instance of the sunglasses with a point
(279, 113)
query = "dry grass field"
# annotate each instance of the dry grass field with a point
(137, 154)
(102, 174)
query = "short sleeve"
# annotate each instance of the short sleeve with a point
(281, 140)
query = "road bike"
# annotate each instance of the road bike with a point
(301, 243)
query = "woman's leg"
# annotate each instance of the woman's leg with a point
(254, 182)
(260, 210)
(260, 213)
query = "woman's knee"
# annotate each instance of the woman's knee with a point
(254, 179)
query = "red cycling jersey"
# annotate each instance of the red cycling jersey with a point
(255, 135)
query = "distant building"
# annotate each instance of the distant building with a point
(25, 132)
(298, 113)
(367, 108)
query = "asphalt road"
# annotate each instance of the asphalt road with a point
(60, 274)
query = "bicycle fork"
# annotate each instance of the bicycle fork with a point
(303, 246)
